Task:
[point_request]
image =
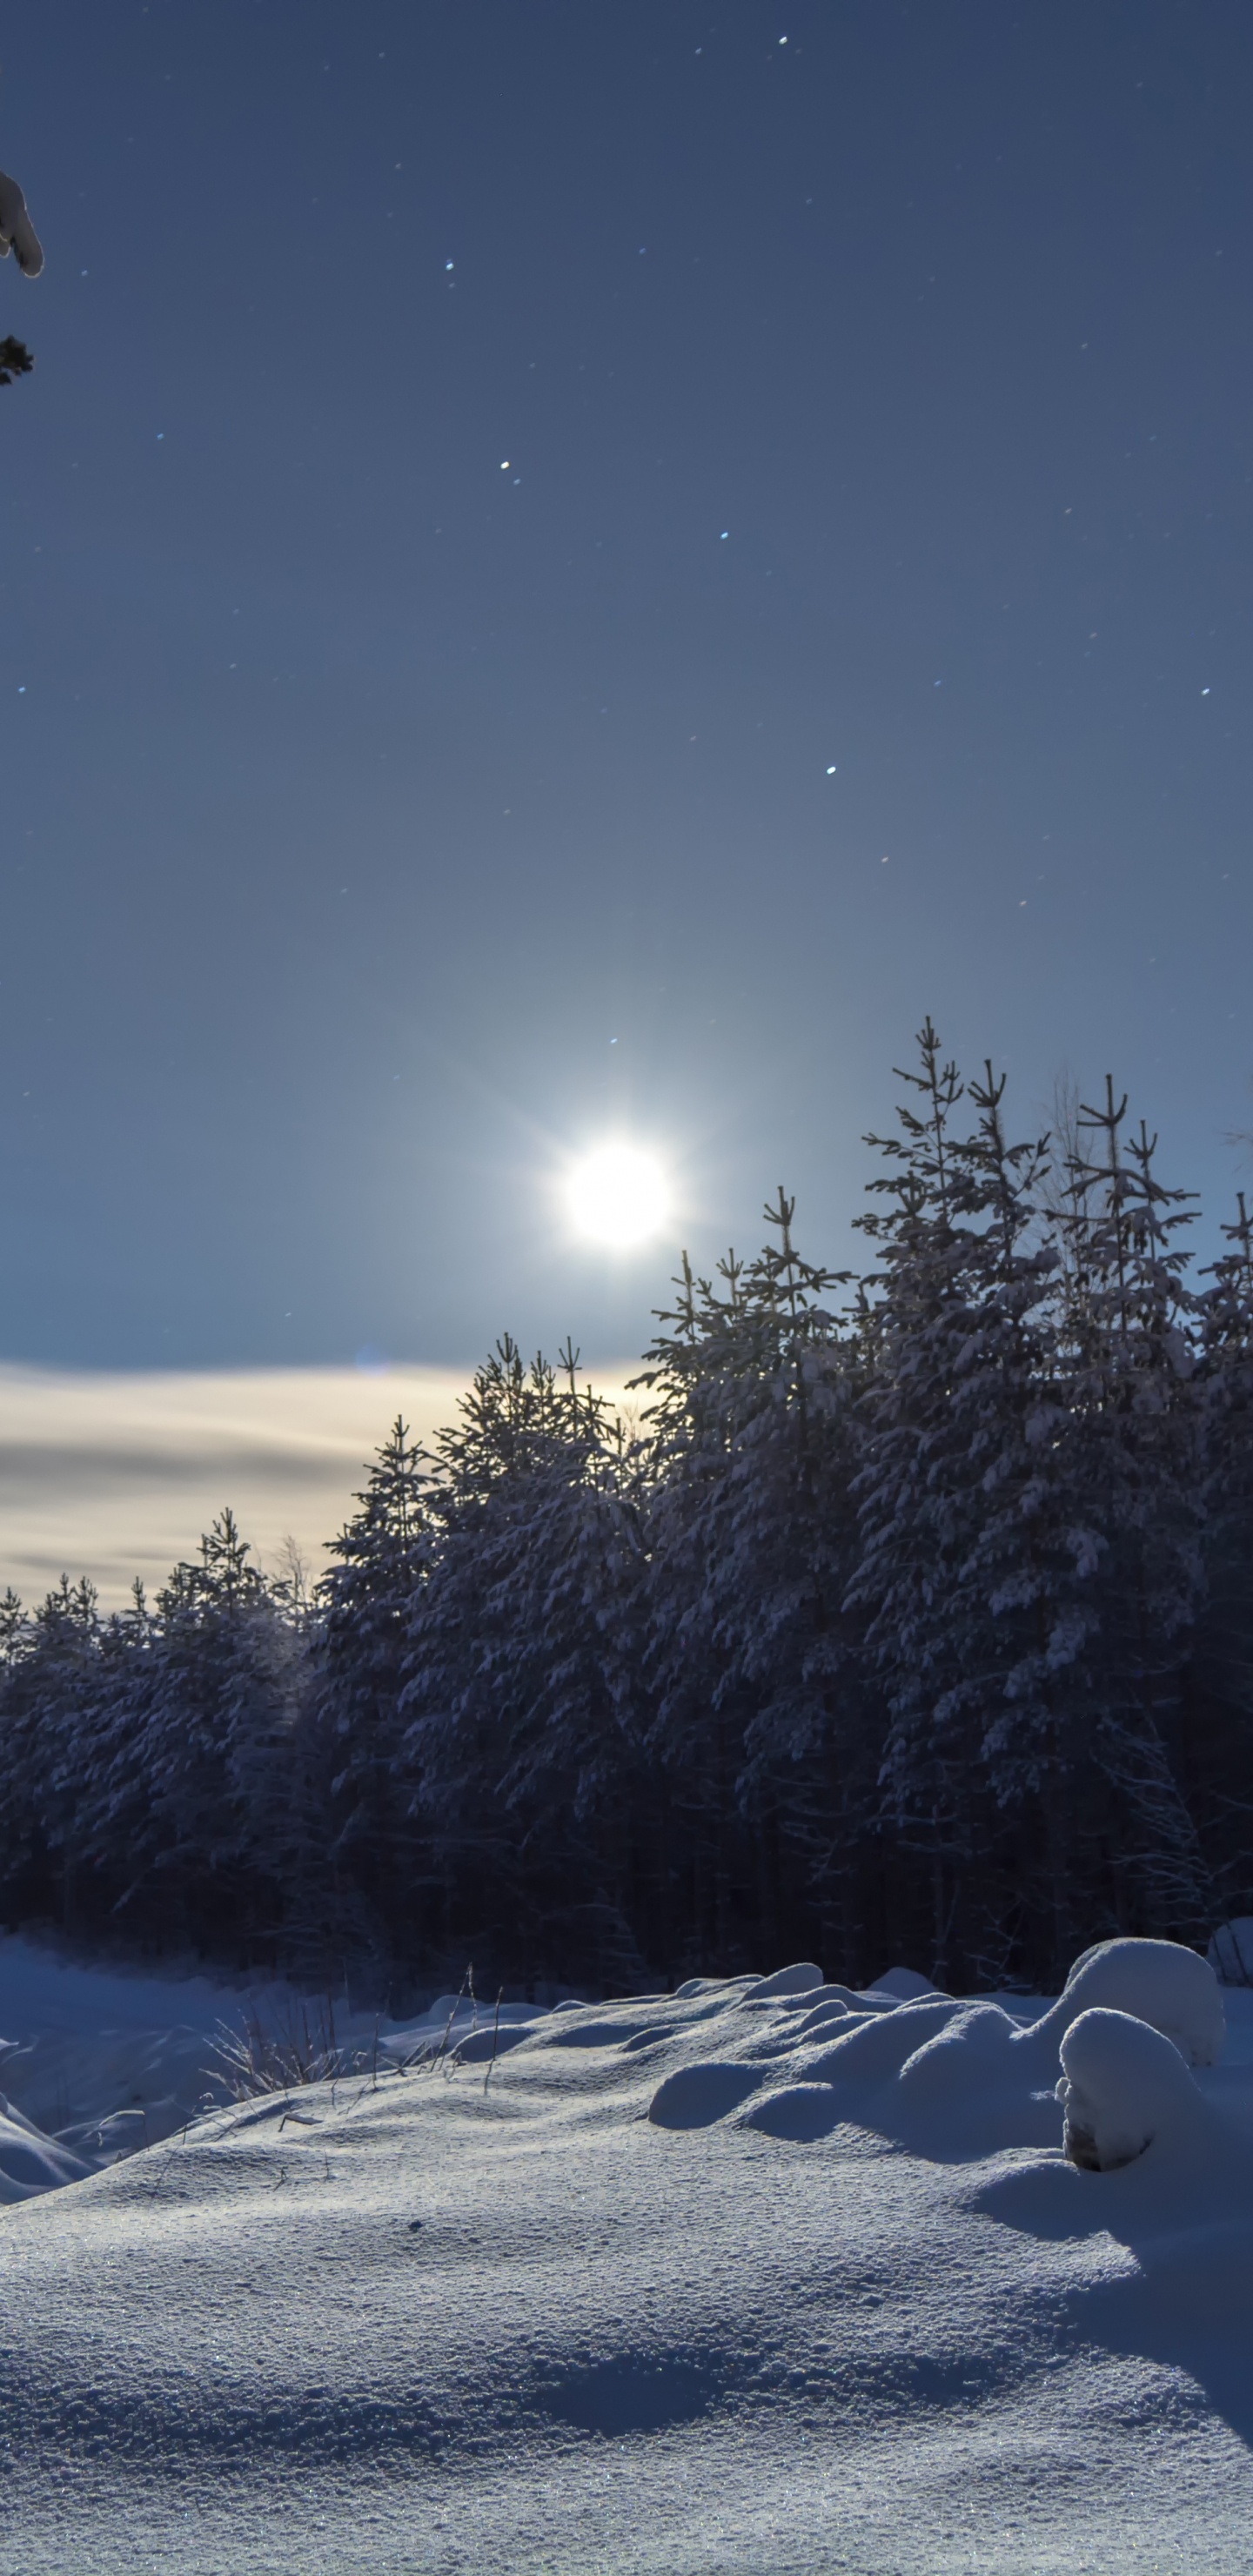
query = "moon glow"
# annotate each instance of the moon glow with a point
(618, 1196)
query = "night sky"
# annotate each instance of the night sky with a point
(858, 627)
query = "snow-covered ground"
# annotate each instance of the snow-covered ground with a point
(762, 2277)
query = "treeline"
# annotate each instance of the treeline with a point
(912, 1618)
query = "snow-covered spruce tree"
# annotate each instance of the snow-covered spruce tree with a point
(382, 1559)
(1133, 1420)
(522, 1751)
(1219, 1721)
(759, 1724)
(1016, 1609)
(50, 1694)
(978, 1558)
(24, 1881)
(202, 1762)
(960, 1368)
(1029, 1514)
(112, 1803)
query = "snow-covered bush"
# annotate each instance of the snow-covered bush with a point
(1231, 1951)
(1122, 2086)
(1162, 1983)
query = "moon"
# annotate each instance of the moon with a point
(618, 1195)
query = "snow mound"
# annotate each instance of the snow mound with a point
(1123, 2085)
(695, 2096)
(942, 2062)
(797, 2111)
(1172, 1988)
(947, 2079)
(827, 2009)
(950, 2080)
(878, 2043)
(798, 1980)
(903, 1985)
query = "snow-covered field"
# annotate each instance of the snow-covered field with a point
(757, 2277)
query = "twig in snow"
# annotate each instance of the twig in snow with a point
(495, 2037)
(469, 1976)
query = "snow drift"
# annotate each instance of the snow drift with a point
(842, 2302)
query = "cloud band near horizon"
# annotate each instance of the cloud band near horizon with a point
(115, 1475)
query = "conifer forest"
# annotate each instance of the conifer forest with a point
(909, 1616)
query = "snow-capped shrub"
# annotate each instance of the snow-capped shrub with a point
(1171, 1988)
(1231, 1951)
(1123, 2085)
